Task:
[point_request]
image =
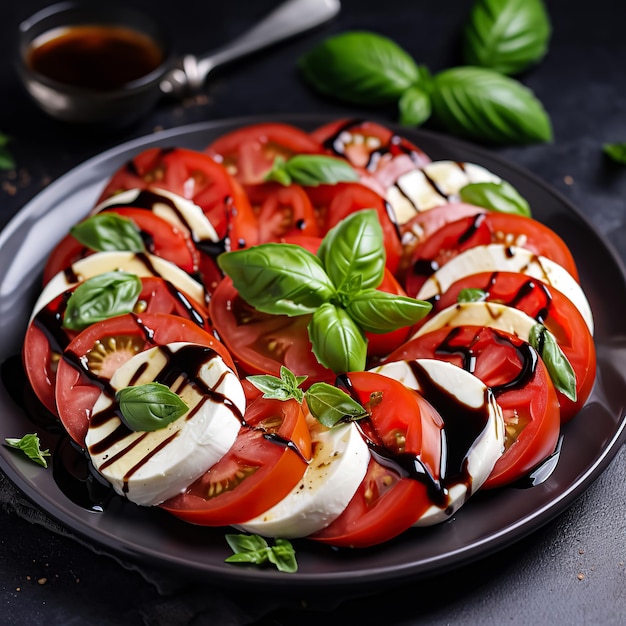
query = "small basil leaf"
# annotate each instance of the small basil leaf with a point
(108, 231)
(480, 103)
(149, 407)
(311, 170)
(283, 556)
(616, 152)
(246, 543)
(330, 405)
(360, 67)
(31, 447)
(7, 162)
(414, 106)
(256, 550)
(380, 312)
(338, 343)
(500, 196)
(507, 36)
(101, 297)
(354, 249)
(471, 295)
(284, 388)
(559, 368)
(278, 278)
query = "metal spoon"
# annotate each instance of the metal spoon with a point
(177, 78)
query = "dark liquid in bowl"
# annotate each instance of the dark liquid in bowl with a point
(98, 57)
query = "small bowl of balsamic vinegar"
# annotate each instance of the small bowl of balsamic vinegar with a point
(98, 64)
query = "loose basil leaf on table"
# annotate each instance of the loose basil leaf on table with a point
(7, 162)
(507, 36)
(31, 447)
(616, 152)
(311, 170)
(501, 197)
(101, 297)
(107, 232)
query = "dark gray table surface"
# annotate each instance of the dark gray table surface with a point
(573, 570)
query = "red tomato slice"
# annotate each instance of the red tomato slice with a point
(248, 153)
(483, 229)
(392, 496)
(549, 307)
(519, 380)
(197, 177)
(282, 211)
(263, 465)
(92, 357)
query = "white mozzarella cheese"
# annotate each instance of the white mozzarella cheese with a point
(140, 264)
(503, 258)
(150, 467)
(338, 466)
(467, 391)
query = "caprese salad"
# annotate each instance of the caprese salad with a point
(320, 334)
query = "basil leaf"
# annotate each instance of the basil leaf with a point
(7, 162)
(507, 36)
(380, 312)
(616, 152)
(278, 278)
(149, 407)
(330, 405)
(354, 250)
(101, 297)
(31, 447)
(338, 343)
(284, 388)
(108, 231)
(559, 368)
(311, 170)
(283, 556)
(256, 550)
(360, 67)
(500, 196)
(414, 106)
(470, 294)
(480, 103)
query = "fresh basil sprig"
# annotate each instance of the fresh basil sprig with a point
(507, 36)
(108, 231)
(286, 387)
(31, 447)
(414, 106)
(150, 406)
(255, 550)
(559, 368)
(286, 279)
(495, 196)
(311, 170)
(101, 297)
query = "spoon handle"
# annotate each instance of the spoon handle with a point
(291, 18)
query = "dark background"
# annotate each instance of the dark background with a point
(571, 571)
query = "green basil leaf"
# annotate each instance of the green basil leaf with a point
(559, 368)
(108, 231)
(101, 297)
(507, 36)
(616, 152)
(414, 106)
(311, 170)
(338, 343)
(149, 407)
(7, 162)
(330, 405)
(381, 312)
(284, 388)
(256, 550)
(278, 278)
(353, 250)
(483, 104)
(470, 294)
(283, 556)
(31, 447)
(360, 67)
(500, 196)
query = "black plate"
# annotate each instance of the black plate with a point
(487, 523)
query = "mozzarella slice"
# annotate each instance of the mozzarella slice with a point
(432, 185)
(333, 476)
(140, 264)
(503, 258)
(150, 467)
(468, 393)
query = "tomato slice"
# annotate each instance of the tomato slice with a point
(549, 307)
(197, 177)
(248, 153)
(262, 467)
(518, 378)
(484, 229)
(402, 475)
(91, 358)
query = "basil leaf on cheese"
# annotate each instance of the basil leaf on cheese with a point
(150, 406)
